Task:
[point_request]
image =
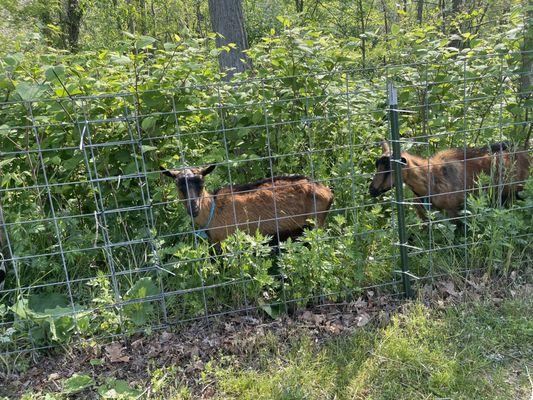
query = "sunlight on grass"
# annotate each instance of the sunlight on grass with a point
(476, 351)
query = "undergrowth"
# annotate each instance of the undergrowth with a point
(478, 349)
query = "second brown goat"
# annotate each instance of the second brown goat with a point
(280, 207)
(444, 179)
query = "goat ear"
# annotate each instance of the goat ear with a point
(208, 169)
(166, 172)
(385, 147)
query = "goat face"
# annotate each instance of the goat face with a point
(382, 181)
(190, 184)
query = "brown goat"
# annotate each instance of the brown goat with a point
(442, 177)
(279, 207)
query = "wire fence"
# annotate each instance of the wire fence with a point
(97, 243)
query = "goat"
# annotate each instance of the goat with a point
(279, 207)
(443, 177)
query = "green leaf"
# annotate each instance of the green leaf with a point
(28, 91)
(128, 34)
(148, 123)
(140, 312)
(144, 42)
(13, 59)
(47, 301)
(146, 148)
(120, 60)
(142, 288)
(55, 73)
(273, 311)
(76, 383)
(118, 389)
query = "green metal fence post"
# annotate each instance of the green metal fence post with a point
(398, 182)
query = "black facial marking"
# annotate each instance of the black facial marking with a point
(190, 183)
(383, 161)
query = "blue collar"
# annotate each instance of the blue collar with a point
(202, 232)
(426, 202)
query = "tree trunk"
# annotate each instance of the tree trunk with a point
(385, 17)
(199, 19)
(419, 11)
(442, 6)
(143, 17)
(227, 20)
(131, 17)
(526, 78)
(363, 29)
(73, 14)
(456, 5)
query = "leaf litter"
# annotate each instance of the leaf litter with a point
(191, 347)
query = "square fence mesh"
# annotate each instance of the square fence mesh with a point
(97, 242)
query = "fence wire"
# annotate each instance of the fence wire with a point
(96, 243)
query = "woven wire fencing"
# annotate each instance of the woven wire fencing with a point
(97, 243)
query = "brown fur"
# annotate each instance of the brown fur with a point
(291, 201)
(443, 175)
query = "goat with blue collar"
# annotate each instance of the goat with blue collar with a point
(280, 207)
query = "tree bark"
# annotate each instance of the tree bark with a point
(385, 17)
(73, 15)
(526, 78)
(228, 22)
(131, 18)
(456, 5)
(455, 25)
(363, 29)
(199, 19)
(420, 11)
(143, 17)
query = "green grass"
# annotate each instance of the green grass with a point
(480, 350)
(472, 352)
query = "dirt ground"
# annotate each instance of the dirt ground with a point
(192, 346)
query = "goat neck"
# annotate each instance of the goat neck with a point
(415, 174)
(204, 208)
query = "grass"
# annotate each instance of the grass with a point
(476, 350)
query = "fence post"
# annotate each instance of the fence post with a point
(398, 183)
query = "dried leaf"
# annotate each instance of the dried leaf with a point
(114, 353)
(194, 352)
(166, 336)
(334, 328)
(359, 303)
(449, 287)
(362, 319)
(53, 377)
(307, 316)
